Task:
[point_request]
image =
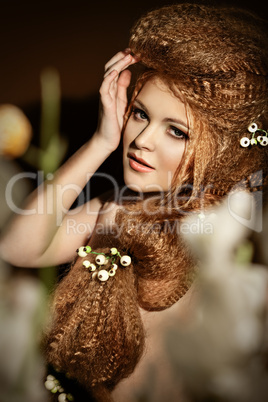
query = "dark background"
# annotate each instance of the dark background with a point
(75, 37)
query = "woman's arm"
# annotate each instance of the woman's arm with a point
(44, 236)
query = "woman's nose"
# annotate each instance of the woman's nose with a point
(147, 138)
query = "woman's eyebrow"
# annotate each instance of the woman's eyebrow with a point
(177, 121)
(141, 105)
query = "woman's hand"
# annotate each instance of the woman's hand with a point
(113, 99)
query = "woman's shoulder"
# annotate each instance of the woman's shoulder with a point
(115, 200)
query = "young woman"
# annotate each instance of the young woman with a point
(195, 129)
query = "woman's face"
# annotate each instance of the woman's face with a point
(154, 138)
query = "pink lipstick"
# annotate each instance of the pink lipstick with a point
(139, 164)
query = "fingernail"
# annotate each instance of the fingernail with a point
(127, 50)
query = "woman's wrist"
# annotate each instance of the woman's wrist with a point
(101, 145)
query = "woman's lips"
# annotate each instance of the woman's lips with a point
(139, 164)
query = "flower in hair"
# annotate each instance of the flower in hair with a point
(53, 385)
(101, 260)
(261, 139)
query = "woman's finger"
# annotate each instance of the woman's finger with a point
(122, 101)
(121, 64)
(122, 85)
(107, 86)
(118, 56)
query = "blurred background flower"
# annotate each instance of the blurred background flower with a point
(15, 131)
(22, 316)
(24, 293)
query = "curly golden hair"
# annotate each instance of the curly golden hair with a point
(216, 60)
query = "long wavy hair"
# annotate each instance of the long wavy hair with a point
(215, 59)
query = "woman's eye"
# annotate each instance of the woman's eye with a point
(176, 132)
(139, 114)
